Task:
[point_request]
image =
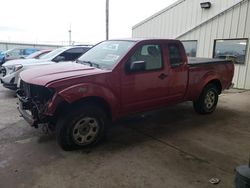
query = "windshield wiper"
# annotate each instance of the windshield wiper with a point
(91, 63)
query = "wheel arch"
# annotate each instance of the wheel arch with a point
(215, 82)
(64, 106)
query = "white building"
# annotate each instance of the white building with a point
(223, 31)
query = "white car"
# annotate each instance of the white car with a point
(13, 68)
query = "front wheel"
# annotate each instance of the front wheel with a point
(82, 127)
(207, 101)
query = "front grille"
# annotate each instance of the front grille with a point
(25, 87)
(36, 92)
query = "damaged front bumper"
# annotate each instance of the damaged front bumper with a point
(26, 115)
(30, 110)
(25, 109)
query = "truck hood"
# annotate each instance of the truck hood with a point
(49, 73)
(24, 62)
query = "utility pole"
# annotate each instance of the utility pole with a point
(107, 19)
(70, 34)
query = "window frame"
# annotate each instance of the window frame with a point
(191, 41)
(233, 39)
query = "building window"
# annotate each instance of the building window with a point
(190, 47)
(234, 49)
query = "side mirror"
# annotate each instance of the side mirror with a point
(59, 58)
(137, 66)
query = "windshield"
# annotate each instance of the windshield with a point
(52, 54)
(106, 54)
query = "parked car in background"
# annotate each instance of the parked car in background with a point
(12, 69)
(37, 54)
(2, 57)
(16, 53)
(114, 79)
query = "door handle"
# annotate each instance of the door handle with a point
(162, 76)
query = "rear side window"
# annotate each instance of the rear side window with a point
(175, 58)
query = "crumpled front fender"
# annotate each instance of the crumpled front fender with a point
(81, 91)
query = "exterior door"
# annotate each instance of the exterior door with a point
(178, 72)
(144, 89)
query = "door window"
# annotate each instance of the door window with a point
(151, 55)
(73, 54)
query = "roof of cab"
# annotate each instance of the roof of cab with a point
(143, 39)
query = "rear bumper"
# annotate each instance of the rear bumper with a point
(230, 86)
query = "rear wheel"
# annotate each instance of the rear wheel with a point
(83, 127)
(207, 101)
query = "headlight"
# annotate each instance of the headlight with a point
(17, 67)
(14, 68)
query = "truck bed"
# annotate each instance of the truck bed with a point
(199, 60)
(200, 67)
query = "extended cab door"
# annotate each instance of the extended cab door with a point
(146, 86)
(178, 71)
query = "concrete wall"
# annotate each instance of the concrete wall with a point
(185, 20)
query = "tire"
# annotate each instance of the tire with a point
(207, 102)
(83, 126)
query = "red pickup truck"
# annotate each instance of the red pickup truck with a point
(118, 78)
